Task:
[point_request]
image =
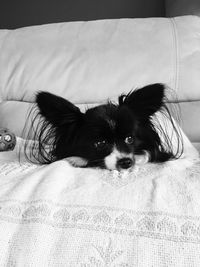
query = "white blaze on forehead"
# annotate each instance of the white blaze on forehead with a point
(111, 160)
(111, 123)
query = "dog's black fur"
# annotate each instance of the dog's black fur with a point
(107, 136)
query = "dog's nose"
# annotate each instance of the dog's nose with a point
(124, 163)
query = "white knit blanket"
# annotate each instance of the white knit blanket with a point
(58, 215)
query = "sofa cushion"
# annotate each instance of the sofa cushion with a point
(92, 61)
(88, 62)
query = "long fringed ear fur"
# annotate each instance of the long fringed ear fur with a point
(57, 110)
(144, 101)
(53, 120)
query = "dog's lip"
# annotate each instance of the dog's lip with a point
(118, 169)
(138, 160)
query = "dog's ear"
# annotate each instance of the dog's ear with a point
(57, 110)
(145, 101)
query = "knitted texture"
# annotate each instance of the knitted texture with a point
(57, 215)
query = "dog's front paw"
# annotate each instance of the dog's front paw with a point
(77, 161)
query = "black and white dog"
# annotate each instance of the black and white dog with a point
(110, 136)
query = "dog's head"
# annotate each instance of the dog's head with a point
(111, 136)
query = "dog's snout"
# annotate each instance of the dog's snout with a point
(124, 163)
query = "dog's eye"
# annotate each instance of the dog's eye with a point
(100, 144)
(129, 140)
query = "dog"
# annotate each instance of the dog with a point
(113, 136)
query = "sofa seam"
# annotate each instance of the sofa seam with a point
(176, 54)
